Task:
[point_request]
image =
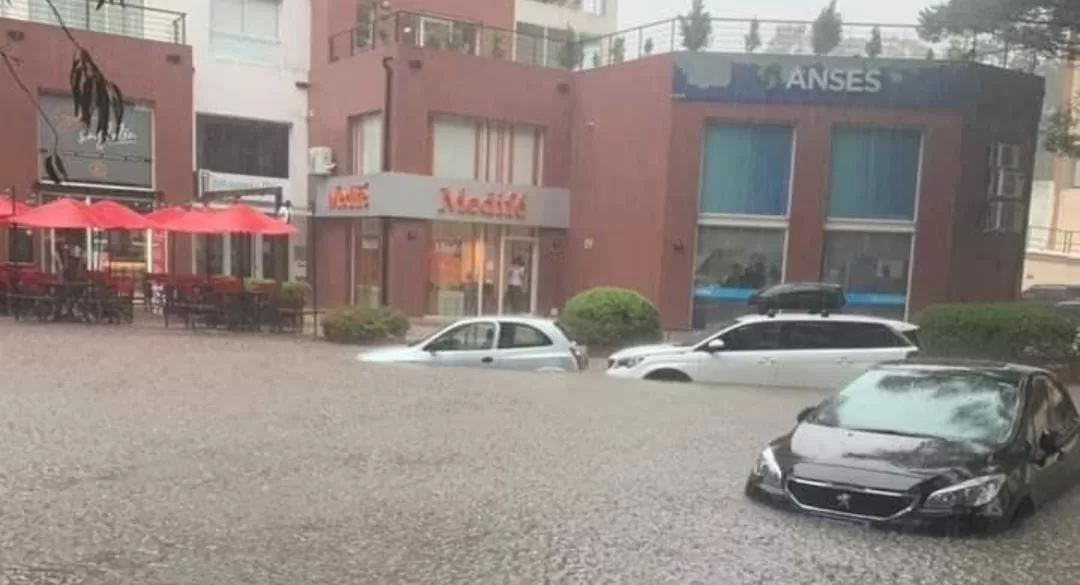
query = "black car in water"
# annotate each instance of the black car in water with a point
(928, 445)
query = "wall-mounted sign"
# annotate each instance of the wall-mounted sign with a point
(434, 198)
(821, 78)
(346, 197)
(252, 190)
(500, 205)
(810, 80)
(125, 159)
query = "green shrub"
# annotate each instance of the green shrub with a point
(1013, 332)
(611, 317)
(296, 289)
(361, 325)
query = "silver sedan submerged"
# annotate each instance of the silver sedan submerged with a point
(504, 343)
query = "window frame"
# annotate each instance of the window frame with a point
(875, 227)
(243, 33)
(505, 326)
(453, 329)
(743, 326)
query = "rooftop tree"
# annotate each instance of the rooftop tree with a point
(1049, 29)
(696, 27)
(828, 30)
(98, 103)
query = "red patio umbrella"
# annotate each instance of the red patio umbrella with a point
(166, 214)
(63, 213)
(119, 217)
(193, 221)
(236, 219)
(245, 219)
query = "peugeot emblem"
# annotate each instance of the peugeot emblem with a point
(843, 501)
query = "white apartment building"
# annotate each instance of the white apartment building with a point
(251, 61)
(552, 19)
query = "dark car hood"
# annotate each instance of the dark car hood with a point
(880, 461)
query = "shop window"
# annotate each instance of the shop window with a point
(242, 147)
(873, 173)
(873, 269)
(732, 263)
(746, 170)
(209, 254)
(456, 260)
(22, 245)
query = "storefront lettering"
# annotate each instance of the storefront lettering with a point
(494, 205)
(835, 80)
(352, 197)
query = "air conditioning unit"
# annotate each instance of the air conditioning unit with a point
(1006, 156)
(320, 160)
(1007, 184)
(1005, 217)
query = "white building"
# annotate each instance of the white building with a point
(251, 61)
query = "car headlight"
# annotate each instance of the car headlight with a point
(628, 362)
(766, 469)
(971, 493)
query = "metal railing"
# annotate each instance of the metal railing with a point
(550, 47)
(1053, 240)
(128, 20)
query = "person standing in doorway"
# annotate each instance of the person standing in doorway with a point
(515, 286)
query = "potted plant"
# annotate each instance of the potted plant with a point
(618, 51)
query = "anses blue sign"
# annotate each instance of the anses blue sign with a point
(821, 80)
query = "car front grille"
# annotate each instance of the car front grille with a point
(848, 501)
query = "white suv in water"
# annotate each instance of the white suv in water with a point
(788, 349)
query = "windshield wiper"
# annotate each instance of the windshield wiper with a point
(891, 432)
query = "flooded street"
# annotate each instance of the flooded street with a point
(135, 455)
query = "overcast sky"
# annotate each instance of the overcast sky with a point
(637, 12)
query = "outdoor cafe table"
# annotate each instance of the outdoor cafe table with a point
(243, 309)
(72, 301)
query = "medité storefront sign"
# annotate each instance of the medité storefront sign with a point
(434, 198)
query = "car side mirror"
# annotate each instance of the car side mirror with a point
(1050, 442)
(805, 414)
(714, 346)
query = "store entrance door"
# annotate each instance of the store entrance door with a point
(519, 263)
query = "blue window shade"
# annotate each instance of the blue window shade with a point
(873, 173)
(746, 169)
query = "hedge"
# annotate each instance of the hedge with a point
(1013, 332)
(610, 317)
(362, 325)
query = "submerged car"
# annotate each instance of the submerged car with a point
(787, 349)
(503, 343)
(928, 445)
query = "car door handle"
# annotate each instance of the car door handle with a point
(843, 360)
(767, 361)
(487, 359)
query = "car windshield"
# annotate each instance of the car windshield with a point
(939, 403)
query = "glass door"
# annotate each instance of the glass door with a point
(519, 263)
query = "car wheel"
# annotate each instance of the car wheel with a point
(668, 376)
(1023, 512)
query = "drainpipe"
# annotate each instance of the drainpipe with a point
(384, 224)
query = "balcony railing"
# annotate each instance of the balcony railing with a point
(775, 37)
(128, 20)
(1054, 241)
